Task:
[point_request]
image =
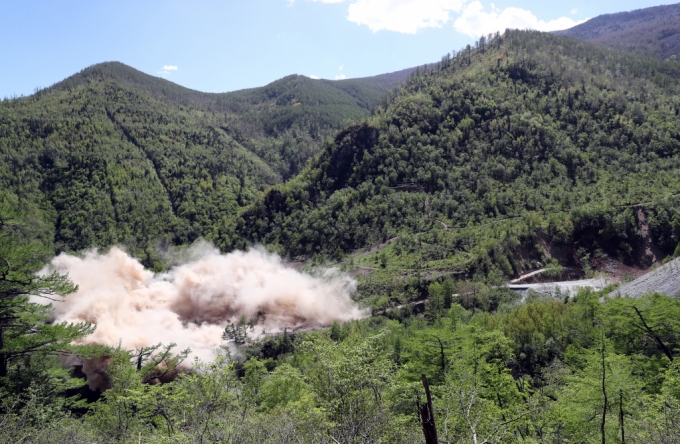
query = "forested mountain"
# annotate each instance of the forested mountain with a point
(529, 150)
(561, 368)
(284, 122)
(529, 134)
(650, 31)
(112, 155)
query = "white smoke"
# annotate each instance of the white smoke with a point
(192, 303)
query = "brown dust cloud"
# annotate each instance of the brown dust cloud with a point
(192, 303)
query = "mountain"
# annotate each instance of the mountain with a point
(112, 155)
(284, 122)
(651, 31)
(529, 148)
(530, 151)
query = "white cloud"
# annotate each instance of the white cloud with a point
(405, 16)
(314, 77)
(292, 2)
(410, 16)
(167, 70)
(341, 66)
(340, 77)
(474, 21)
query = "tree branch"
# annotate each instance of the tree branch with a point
(654, 336)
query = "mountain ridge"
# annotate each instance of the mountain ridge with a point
(113, 155)
(470, 161)
(648, 31)
(119, 71)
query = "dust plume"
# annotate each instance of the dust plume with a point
(192, 303)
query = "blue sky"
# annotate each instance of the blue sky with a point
(225, 45)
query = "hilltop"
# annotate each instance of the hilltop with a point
(650, 31)
(112, 155)
(283, 122)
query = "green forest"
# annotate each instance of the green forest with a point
(527, 136)
(585, 368)
(114, 156)
(436, 185)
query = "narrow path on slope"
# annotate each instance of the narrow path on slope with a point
(528, 275)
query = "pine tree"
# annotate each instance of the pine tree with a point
(27, 337)
(238, 332)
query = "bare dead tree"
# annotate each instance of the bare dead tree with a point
(427, 416)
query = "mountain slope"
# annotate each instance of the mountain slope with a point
(650, 31)
(112, 155)
(112, 165)
(284, 122)
(532, 133)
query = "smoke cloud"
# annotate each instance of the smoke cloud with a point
(192, 303)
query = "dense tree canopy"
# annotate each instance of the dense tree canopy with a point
(114, 156)
(478, 168)
(557, 135)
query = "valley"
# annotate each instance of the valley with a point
(483, 249)
(114, 156)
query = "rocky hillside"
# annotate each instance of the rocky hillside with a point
(664, 280)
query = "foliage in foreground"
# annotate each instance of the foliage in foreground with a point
(587, 368)
(545, 370)
(30, 343)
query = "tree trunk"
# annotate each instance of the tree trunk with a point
(604, 394)
(621, 417)
(427, 416)
(3, 356)
(654, 336)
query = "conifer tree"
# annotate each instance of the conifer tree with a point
(26, 334)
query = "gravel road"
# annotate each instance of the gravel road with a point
(550, 288)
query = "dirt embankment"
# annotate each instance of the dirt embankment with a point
(646, 256)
